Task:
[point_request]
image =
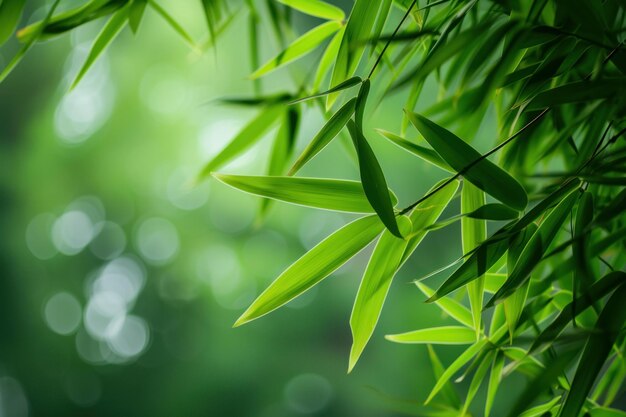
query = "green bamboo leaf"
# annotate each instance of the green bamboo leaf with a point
(361, 101)
(542, 409)
(174, 24)
(537, 245)
(495, 378)
(445, 335)
(325, 135)
(493, 211)
(428, 155)
(329, 194)
(606, 412)
(373, 180)
(514, 305)
(583, 272)
(316, 8)
(110, 30)
(350, 82)
(298, 48)
(314, 266)
(597, 291)
(597, 349)
(493, 281)
(579, 91)
(383, 265)
(10, 14)
(328, 58)
(135, 13)
(473, 233)
(462, 157)
(460, 361)
(477, 380)
(450, 306)
(448, 393)
(246, 137)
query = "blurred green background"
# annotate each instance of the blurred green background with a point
(120, 281)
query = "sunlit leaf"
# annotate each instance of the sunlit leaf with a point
(428, 155)
(450, 306)
(350, 82)
(445, 335)
(316, 8)
(314, 266)
(328, 58)
(298, 48)
(463, 158)
(173, 23)
(329, 194)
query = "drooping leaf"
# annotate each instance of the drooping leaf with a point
(381, 268)
(493, 211)
(135, 13)
(328, 58)
(314, 266)
(463, 158)
(578, 91)
(329, 194)
(110, 30)
(445, 335)
(246, 137)
(178, 28)
(535, 248)
(477, 380)
(326, 134)
(428, 155)
(298, 48)
(350, 82)
(447, 391)
(473, 233)
(495, 377)
(598, 346)
(373, 180)
(10, 14)
(450, 306)
(316, 8)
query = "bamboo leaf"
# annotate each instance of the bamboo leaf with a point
(576, 92)
(246, 137)
(10, 14)
(473, 233)
(298, 48)
(350, 82)
(382, 267)
(450, 306)
(329, 194)
(462, 157)
(316, 8)
(314, 266)
(428, 155)
(447, 392)
(173, 23)
(325, 135)
(493, 211)
(537, 245)
(328, 58)
(477, 380)
(373, 180)
(445, 335)
(495, 377)
(597, 349)
(606, 412)
(135, 13)
(110, 30)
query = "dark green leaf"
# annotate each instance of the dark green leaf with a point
(350, 82)
(135, 13)
(10, 14)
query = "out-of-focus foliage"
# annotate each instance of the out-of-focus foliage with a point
(521, 105)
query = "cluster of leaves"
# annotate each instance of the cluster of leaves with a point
(541, 295)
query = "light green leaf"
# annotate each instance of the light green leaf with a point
(477, 380)
(328, 58)
(174, 24)
(350, 82)
(10, 14)
(110, 30)
(460, 361)
(495, 377)
(473, 233)
(597, 349)
(450, 306)
(325, 135)
(462, 157)
(445, 335)
(606, 412)
(298, 48)
(382, 267)
(542, 409)
(535, 248)
(329, 194)
(135, 13)
(428, 155)
(246, 137)
(314, 266)
(316, 8)
(373, 180)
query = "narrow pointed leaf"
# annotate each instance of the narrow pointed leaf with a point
(493, 211)
(373, 180)
(135, 14)
(328, 59)
(329, 194)
(597, 349)
(462, 157)
(477, 380)
(173, 23)
(428, 155)
(447, 392)
(445, 335)
(110, 30)
(495, 377)
(326, 134)
(314, 266)
(246, 137)
(316, 8)
(298, 48)
(450, 306)
(350, 82)
(578, 92)
(382, 267)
